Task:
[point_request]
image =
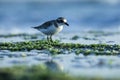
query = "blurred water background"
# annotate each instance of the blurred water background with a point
(20, 16)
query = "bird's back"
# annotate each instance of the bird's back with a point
(45, 25)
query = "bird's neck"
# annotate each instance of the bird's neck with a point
(56, 24)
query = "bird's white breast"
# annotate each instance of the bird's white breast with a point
(51, 30)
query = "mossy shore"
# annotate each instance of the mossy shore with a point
(39, 72)
(31, 73)
(57, 47)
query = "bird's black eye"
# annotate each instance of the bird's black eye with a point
(61, 21)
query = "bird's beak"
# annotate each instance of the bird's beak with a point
(67, 24)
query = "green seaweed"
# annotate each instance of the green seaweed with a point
(58, 48)
(40, 72)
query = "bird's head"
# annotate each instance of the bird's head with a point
(62, 20)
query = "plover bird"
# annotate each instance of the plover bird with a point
(52, 27)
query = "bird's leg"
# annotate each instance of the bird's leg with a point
(48, 38)
(51, 38)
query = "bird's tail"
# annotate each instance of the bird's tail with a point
(35, 27)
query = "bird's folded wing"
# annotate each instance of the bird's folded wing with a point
(44, 25)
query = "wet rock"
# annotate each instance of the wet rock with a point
(76, 37)
(54, 66)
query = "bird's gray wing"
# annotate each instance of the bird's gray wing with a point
(44, 25)
(55, 23)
